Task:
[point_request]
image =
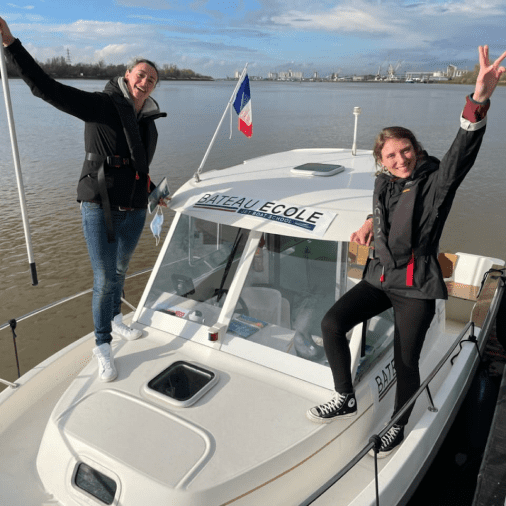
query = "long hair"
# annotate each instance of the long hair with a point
(136, 62)
(394, 132)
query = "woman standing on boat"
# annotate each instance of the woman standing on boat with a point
(412, 198)
(120, 140)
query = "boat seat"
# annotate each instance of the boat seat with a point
(463, 273)
(267, 304)
(455, 284)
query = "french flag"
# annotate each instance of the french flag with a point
(242, 106)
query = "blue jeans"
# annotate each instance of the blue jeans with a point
(109, 261)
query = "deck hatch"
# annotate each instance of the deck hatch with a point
(95, 483)
(183, 383)
(317, 169)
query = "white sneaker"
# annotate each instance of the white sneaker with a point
(106, 369)
(126, 333)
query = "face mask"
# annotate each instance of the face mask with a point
(156, 224)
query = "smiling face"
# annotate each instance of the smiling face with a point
(399, 157)
(141, 82)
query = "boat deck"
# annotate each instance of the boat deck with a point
(21, 429)
(22, 440)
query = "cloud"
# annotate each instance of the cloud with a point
(391, 24)
(379, 16)
(347, 18)
(472, 9)
(217, 37)
(98, 30)
(117, 53)
(27, 7)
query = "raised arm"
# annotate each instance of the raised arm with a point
(85, 105)
(489, 75)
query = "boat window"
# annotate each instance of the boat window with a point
(290, 286)
(95, 483)
(197, 269)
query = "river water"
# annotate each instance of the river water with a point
(285, 116)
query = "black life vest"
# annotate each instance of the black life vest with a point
(395, 249)
(397, 246)
(138, 160)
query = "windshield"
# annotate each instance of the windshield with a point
(197, 269)
(290, 286)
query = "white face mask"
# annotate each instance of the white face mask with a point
(156, 224)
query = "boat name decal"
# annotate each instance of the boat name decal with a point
(385, 379)
(311, 219)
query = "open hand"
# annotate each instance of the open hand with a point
(7, 37)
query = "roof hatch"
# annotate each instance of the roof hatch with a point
(317, 169)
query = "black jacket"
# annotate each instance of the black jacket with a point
(128, 186)
(409, 216)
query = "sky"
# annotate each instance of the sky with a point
(217, 38)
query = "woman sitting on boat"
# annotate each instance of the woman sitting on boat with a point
(120, 140)
(412, 199)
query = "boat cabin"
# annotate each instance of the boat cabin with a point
(257, 255)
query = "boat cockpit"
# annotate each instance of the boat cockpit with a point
(250, 290)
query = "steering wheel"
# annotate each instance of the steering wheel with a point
(305, 346)
(241, 305)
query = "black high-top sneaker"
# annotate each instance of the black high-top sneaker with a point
(341, 406)
(391, 440)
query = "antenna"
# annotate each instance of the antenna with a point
(356, 112)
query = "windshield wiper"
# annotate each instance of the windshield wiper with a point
(220, 291)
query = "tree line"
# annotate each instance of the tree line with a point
(59, 68)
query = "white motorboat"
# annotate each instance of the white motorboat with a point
(209, 405)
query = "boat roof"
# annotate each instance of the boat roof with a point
(336, 204)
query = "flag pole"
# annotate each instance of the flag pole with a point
(17, 165)
(230, 102)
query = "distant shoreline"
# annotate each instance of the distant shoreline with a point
(319, 81)
(102, 78)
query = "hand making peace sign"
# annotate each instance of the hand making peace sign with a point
(488, 76)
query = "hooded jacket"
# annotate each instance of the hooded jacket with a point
(128, 185)
(409, 216)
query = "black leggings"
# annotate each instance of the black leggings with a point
(412, 320)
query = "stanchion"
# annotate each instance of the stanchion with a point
(17, 166)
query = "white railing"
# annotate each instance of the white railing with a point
(13, 322)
